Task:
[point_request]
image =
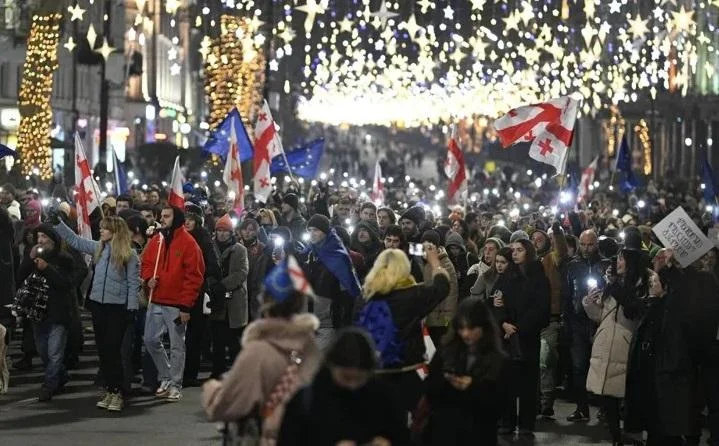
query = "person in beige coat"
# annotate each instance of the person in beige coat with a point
(284, 337)
(617, 310)
(438, 320)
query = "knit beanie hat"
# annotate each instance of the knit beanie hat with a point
(497, 241)
(415, 214)
(110, 201)
(518, 235)
(224, 223)
(48, 230)
(454, 239)
(432, 237)
(500, 232)
(292, 200)
(320, 222)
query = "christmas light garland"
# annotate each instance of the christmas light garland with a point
(35, 94)
(642, 132)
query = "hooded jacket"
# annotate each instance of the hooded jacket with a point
(552, 257)
(181, 269)
(263, 360)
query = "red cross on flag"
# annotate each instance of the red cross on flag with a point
(455, 169)
(267, 146)
(232, 176)
(587, 180)
(297, 275)
(87, 195)
(177, 197)
(549, 126)
(377, 186)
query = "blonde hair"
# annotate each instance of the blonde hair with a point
(120, 244)
(390, 269)
(264, 212)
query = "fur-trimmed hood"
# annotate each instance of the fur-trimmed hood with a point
(288, 335)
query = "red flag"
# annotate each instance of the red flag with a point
(267, 146)
(587, 180)
(177, 197)
(232, 176)
(549, 126)
(455, 169)
(87, 197)
(377, 186)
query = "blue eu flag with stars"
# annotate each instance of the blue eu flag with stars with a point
(219, 140)
(629, 182)
(303, 161)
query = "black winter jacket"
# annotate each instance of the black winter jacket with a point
(60, 278)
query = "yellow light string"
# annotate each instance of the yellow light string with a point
(35, 94)
(614, 129)
(642, 132)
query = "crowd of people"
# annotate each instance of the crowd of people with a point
(328, 319)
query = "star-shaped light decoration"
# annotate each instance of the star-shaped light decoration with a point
(171, 6)
(638, 27)
(172, 53)
(91, 36)
(588, 32)
(457, 55)
(383, 14)
(287, 35)
(255, 23)
(682, 20)
(105, 50)
(76, 12)
(478, 4)
(589, 8)
(411, 26)
(615, 7)
(312, 8)
(424, 5)
(703, 39)
(658, 12)
(527, 12)
(175, 69)
(70, 44)
(448, 13)
(205, 46)
(511, 22)
(715, 3)
(386, 34)
(346, 24)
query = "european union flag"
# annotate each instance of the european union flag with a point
(7, 151)
(303, 161)
(710, 184)
(219, 140)
(624, 164)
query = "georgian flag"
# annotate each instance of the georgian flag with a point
(377, 186)
(177, 197)
(455, 169)
(87, 194)
(232, 176)
(587, 180)
(267, 146)
(549, 126)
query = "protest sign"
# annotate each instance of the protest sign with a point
(678, 232)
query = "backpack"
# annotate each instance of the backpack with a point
(376, 318)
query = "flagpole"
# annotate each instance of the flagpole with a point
(92, 179)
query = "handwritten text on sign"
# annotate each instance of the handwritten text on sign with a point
(679, 232)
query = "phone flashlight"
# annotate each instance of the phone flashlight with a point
(592, 283)
(279, 242)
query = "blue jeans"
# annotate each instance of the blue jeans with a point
(50, 340)
(160, 320)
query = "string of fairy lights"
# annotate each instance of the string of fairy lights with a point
(34, 98)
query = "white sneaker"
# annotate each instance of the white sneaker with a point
(163, 390)
(105, 401)
(174, 395)
(117, 403)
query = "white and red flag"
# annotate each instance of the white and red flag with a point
(177, 197)
(549, 126)
(87, 194)
(587, 180)
(455, 169)
(267, 146)
(377, 185)
(232, 176)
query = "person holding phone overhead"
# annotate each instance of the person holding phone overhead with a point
(438, 320)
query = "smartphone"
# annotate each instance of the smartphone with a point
(279, 244)
(416, 249)
(592, 283)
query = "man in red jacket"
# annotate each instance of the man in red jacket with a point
(177, 258)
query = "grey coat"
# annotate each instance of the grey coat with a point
(236, 308)
(110, 285)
